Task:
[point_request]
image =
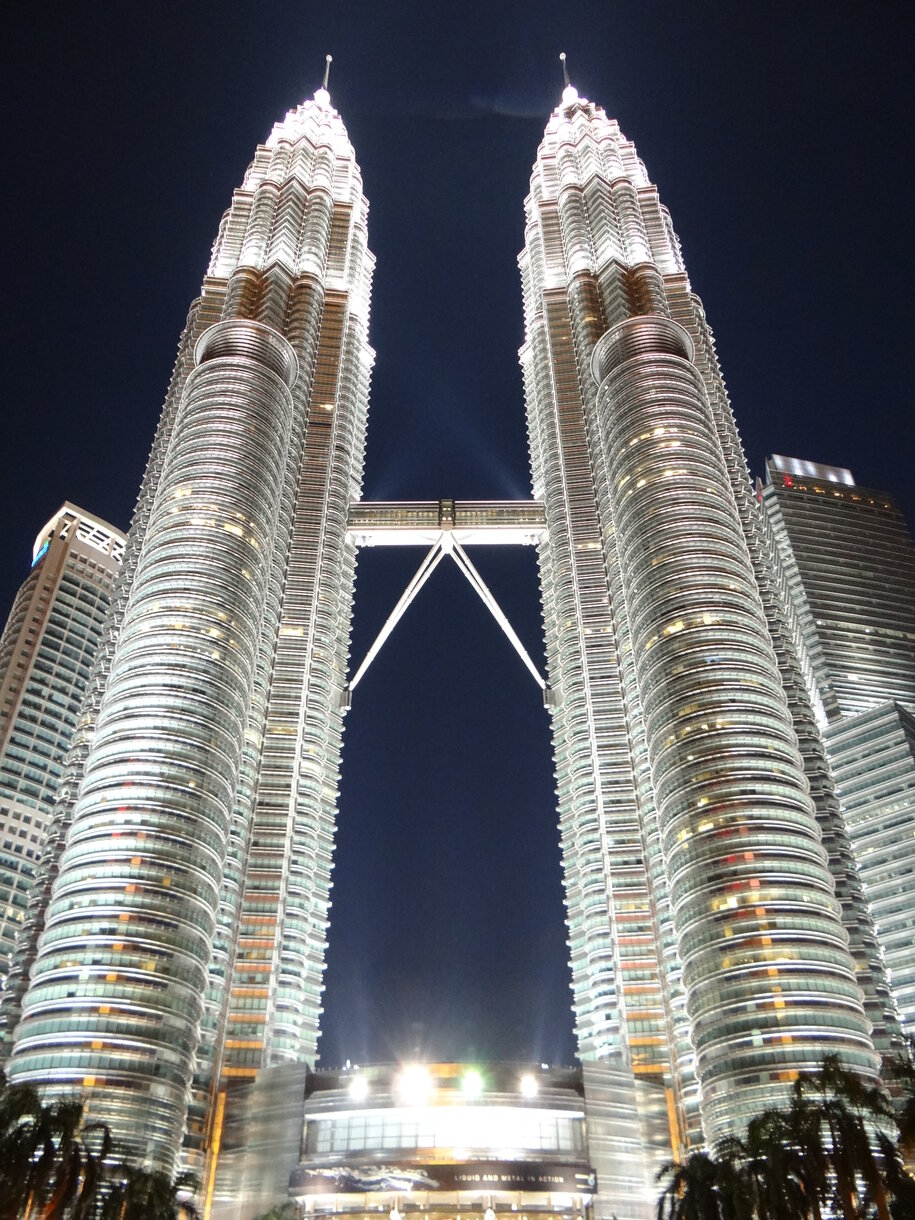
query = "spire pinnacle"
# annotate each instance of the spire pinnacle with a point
(322, 97)
(569, 93)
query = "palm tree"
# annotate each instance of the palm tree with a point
(899, 1183)
(52, 1163)
(901, 1071)
(804, 1133)
(20, 1110)
(149, 1194)
(64, 1163)
(736, 1186)
(37, 1153)
(830, 1150)
(56, 1166)
(62, 1183)
(693, 1190)
(783, 1181)
(852, 1115)
(96, 1148)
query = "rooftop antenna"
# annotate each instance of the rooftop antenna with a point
(328, 60)
(565, 70)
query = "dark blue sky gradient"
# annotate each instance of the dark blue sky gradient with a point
(780, 136)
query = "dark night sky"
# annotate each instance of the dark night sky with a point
(780, 136)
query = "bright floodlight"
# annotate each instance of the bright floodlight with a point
(472, 1083)
(528, 1085)
(359, 1088)
(415, 1085)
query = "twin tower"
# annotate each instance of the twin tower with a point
(177, 929)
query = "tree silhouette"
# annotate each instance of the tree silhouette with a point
(56, 1166)
(148, 1194)
(829, 1152)
(693, 1191)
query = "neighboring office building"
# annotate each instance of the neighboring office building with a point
(46, 650)
(850, 565)
(702, 911)
(850, 562)
(873, 758)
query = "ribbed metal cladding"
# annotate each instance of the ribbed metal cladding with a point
(117, 987)
(769, 980)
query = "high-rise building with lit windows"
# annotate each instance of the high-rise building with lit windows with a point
(182, 946)
(719, 941)
(873, 760)
(850, 561)
(849, 565)
(46, 650)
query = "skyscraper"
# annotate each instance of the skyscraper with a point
(717, 932)
(873, 760)
(46, 650)
(708, 875)
(189, 912)
(849, 564)
(851, 568)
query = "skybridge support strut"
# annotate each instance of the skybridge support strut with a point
(462, 559)
(447, 544)
(423, 572)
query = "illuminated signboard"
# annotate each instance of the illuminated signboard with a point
(467, 1175)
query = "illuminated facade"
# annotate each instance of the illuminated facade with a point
(873, 760)
(712, 899)
(849, 563)
(446, 1139)
(46, 650)
(188, 918)
(718, 939)
(851, 566)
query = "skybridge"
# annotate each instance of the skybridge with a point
(446, 527)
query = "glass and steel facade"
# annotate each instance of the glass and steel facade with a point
(873, 758)
(711, 917)
(46, 651)
(849, 566)
(183, 943)
(171, 963)
(479, 1140)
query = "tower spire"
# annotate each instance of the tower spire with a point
(322, 97)
(569, 93)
